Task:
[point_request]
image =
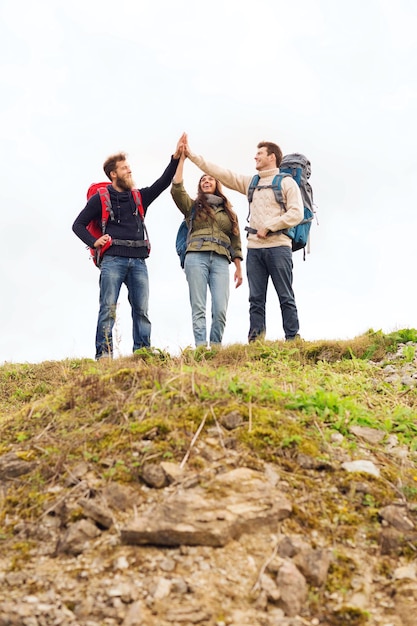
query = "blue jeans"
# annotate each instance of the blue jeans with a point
(114, 271)
(207, 269)
(262, 263)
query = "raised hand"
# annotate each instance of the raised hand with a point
(186, 145)
(180, 146)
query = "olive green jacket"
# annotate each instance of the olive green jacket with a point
(206, 233)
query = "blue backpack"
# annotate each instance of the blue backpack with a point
(183, 236)
(299, 168)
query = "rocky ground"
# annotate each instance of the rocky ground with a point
(224, 545)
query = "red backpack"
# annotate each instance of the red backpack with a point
(98, 228)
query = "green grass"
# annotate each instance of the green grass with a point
(292, 400)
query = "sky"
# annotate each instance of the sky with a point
(83, 79)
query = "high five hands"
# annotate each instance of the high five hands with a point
(183, 149)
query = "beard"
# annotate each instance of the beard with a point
(125, 183)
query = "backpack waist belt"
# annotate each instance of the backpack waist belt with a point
(215, 240)
(284, 231)
(253, 231)
(130, 243)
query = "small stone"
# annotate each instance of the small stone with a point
(361, 466)
(154, 476)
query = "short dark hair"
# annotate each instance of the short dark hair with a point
(272, 148)
(111, 162)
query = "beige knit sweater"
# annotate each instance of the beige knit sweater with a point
(265, 212)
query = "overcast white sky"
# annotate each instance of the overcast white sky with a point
(82, 79)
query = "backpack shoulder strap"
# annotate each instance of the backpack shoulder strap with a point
(138, 202)
(106, 208)
(190, 223)
(252, 186)
(140, 211)
(277, 188)
(192, 214)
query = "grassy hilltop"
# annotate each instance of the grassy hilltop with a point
(298, 407)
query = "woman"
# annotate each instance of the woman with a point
(213, 243)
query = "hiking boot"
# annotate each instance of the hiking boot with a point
(293, 338)
(105, 355)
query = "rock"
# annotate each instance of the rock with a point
(408, 381)
(232, 420)
(314, 565)
(406, 603)
(390, 541)
(406, 572)
(167, 565)
(77, 537)
(371, 435)
(154, 476)
(248, 504)
(162, 588)
(270, 588)
(397, 517)
(121, 563)
(75, 474)
(11, 466)
(117, 496)
(97, 511)
(134, 615)
(367, 467)
(173, 471)
(286, 548)
(187, 616)
(292, 589)
(179, 586)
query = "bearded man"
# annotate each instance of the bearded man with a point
(124, 260)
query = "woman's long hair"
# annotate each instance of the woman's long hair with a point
(204, 210)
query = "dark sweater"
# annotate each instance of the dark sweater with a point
(126, 225)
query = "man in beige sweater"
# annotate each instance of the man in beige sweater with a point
(269, 252)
